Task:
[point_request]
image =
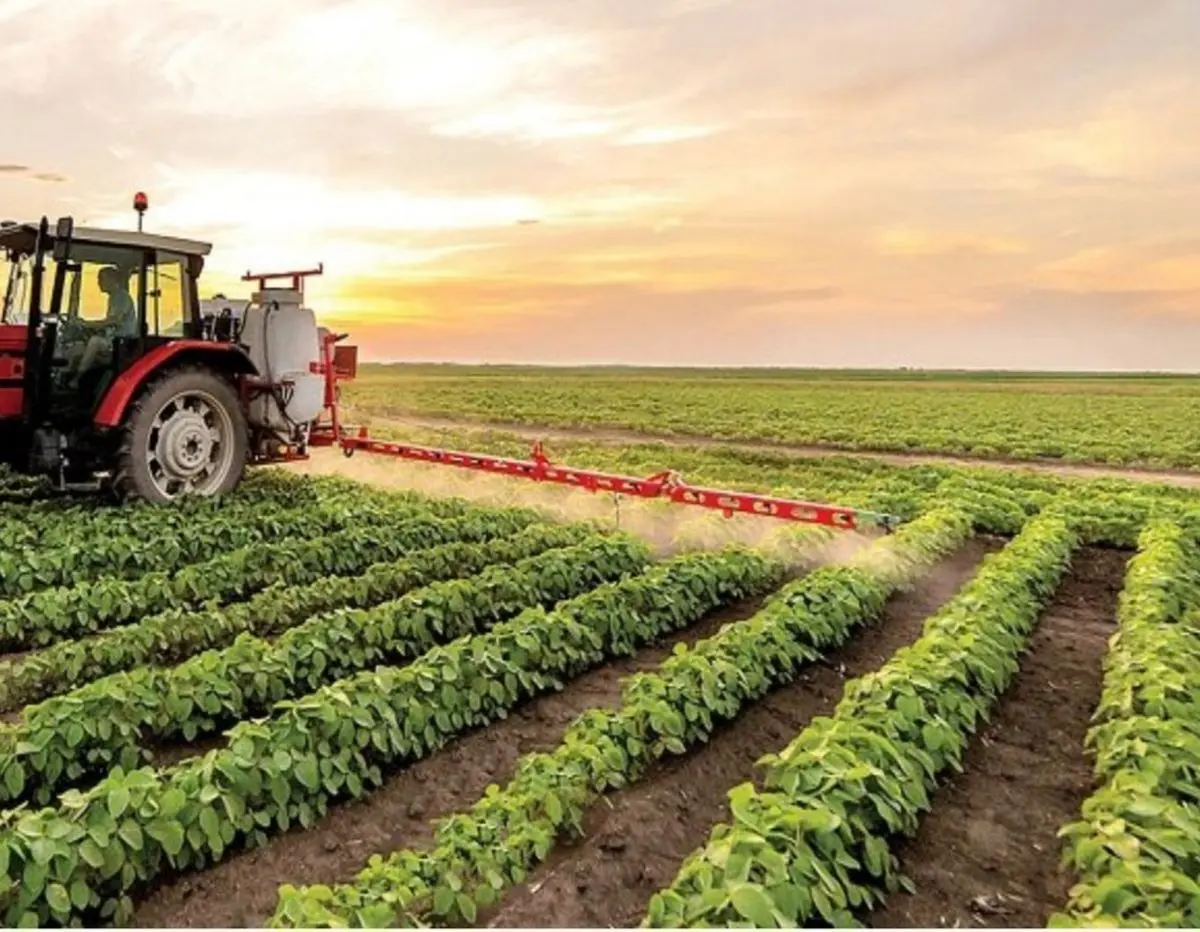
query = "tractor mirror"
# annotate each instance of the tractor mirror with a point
(62, 238)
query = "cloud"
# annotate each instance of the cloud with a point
(1166, 272)
(992, 41)
(1023, 329)
(271, 201)
(378, 53)
(24, 171)
(906, 241)
(530, 119)
(662, 135)
(744, 175)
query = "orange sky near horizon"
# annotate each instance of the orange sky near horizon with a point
(707, 182)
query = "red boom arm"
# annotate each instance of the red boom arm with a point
(661, 485)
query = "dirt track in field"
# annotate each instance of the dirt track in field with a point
(242, 891)
(1175, 477)
(636, 839)
(987, 854)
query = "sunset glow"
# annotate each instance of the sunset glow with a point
(733, 182)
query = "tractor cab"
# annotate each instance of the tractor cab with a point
(91, 302)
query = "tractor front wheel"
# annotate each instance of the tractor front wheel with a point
(185, 435)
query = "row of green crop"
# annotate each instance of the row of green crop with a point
(1136, 847)
(1118, 520)
(1073, 423)
(80, 861)
(110, 721)
(343, 568)
(180, 632)
(905, 490)
(52, 522)
(15, 486)
(111, 552)
(56, 614)
(478, 854)
(813, 845)
(289, 583)
(85, 532)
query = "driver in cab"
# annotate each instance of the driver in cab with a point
(120, 320)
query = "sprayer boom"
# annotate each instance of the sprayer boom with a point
(668, 485)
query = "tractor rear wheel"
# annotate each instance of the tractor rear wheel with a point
(185, 435)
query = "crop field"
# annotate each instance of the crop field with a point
(362, 693)
(1118, 420)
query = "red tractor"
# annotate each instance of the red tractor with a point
(114, 374)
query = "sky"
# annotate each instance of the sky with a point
(968, 184)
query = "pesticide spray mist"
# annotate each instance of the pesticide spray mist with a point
(668, 528)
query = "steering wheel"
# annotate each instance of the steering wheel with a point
(73, 329)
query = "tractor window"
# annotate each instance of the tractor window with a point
(17, 280)
(88, 298)
(102, 288)
(8, 275)
(166, 299)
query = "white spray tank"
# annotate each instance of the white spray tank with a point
(282, 339)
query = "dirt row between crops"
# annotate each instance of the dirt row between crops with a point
(242, 891)
(1175, 477)
(635, 841)
(987, 854)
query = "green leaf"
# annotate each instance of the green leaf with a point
(753, 903)
(91, 853)
(80, 894)
(307, 773)
(443, 901)
(58, 898)
(131, 833)
(466, 906)
(118, 801)
(14, 780)
(1114, 900)
(42, 850)
(209, 822)
(169, 834)
(172, 803)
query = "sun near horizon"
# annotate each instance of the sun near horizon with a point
(691, 182)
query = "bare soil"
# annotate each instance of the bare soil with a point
(1181, 478)
(987, 854)
(242, 890)
(635, 839)
(14, 712)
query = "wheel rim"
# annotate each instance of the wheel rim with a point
(190, 447)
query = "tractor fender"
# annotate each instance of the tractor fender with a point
(224, 357)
